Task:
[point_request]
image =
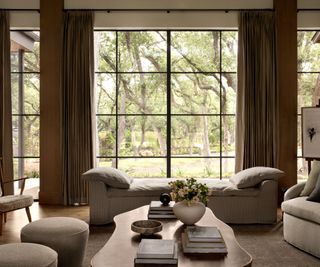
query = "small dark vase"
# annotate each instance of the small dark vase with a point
(165, 198)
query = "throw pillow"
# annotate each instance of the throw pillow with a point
(315, 194)
(255, 175)
(110, 176)
(312, 179)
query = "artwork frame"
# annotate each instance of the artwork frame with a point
(310, 132)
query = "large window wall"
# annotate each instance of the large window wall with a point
(25, 83)
(165, 102)
(308, 84)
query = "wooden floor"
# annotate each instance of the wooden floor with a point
(17, 219)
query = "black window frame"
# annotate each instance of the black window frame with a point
(169, 115)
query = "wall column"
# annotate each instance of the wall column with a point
(51, 16)
(286, 49)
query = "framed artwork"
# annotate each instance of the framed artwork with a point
(310, 132)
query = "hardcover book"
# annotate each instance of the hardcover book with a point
(173, 260)
(204, 244)
(157, 205)
(186, 249)
(203, 233)
(156, 249)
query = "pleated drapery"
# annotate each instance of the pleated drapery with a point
(77, 104)
(5, 98)
(257, 101)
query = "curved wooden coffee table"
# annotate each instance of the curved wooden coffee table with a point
(121, 248)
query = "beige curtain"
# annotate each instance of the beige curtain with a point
(5, 99)
(257, 104)
(77, 104)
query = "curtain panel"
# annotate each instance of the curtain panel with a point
(257, 101)
(77, 105)
(5, 99)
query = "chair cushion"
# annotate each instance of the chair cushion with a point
(155, 186)
(301, 208)
(110, 176)
(253, 176)
(14, 202)
(27, 255)
(312, 178)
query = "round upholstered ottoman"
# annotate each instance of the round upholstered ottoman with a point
(27, 255)
(67, 236)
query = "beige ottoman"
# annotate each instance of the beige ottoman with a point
(67, 236)
(27, 255)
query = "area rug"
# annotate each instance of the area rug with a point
(263, 242)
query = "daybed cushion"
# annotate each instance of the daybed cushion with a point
(110, 176)
(315, 194)
(253, 176)
(156, 186)
(301, 208)
(312, 178)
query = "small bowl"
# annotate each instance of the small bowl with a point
(146, 227)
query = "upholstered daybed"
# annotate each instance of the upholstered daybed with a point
(248, 197)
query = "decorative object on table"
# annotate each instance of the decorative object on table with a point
(146, 227)
(310, 132)
(157, 210)
(203, 239)
(165, 199)
(191, 198)
(157, 251)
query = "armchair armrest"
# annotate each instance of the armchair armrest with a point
(23, 179)
(294, 191)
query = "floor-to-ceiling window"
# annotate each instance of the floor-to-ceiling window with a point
(25, 83)
(308, 83)
(165, 102)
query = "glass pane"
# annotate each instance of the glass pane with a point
(105, 51)
(195, 167)
(229, 43)
(195, 51)
(27, 168)
(228, 93)
(106, 93)
(142, 94)
(15, 135)
(28, 146)
(228, 165)
(14, 61)
(228, 135)
(31, 138)
(106, 129)
(143, 51)
(144, 167)
(308, 52)
(195, 136)
(15, 93)
(31, 89)
(299, 152)
(308, 90)
(31, 59)
(302, 167)
(105, 162)
(195, 94)
(142, 136)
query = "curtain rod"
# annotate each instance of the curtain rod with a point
(21, 9)
(308, 9)
(168, 10)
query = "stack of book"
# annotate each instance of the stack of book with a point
(203, 239)
(157, 252)
(157, 210)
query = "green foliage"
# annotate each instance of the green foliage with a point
(189, 190)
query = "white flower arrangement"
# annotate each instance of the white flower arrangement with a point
(189, 190)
